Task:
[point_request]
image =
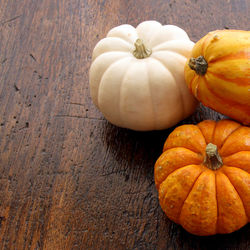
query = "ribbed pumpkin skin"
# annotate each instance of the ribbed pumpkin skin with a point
(141, 86)
(225, 87)
(202, 200)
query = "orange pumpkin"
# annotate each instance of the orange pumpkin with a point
(203, 177)
(218, 73)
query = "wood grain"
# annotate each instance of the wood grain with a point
(68, 178)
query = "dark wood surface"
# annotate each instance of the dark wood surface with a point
(68, 178)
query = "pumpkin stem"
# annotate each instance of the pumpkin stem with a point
(141, 51)
(198, 64)
(212, 159)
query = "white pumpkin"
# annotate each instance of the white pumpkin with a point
(137, 76)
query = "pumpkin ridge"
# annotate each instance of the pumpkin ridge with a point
(228, 138)
(216, 198)
(195, 78)
(223, 99)
(152, 39)
(215, 131)
(126, 53)
(158, 48)
(120, 38)
(213, 134)
(191, 164)
(239, 81)
(202, 171)
(207, 130)
(118, 32)
(129, 46)
(236, 192)
(238, 55)
(203, 138)
(156, 29)
(168, 51)
(205, 46)
(93, 66)
(242, 166)
(212, 137)
(151, 97)
(191, 143)
(120, 90)
(199, 153)
(215, 127)
(101, 82)
(180, 93)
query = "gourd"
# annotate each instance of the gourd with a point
(203, 177)
(218, 73)
(137, 76)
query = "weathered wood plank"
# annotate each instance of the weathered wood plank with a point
(69, 179)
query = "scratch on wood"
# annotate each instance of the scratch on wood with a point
(10, 20)
(114, 172)
(32, 57)
(80, 117)
(26, 126)
(1, 220)
(4, 60)
(136, 192)
(75, 103)
(16, 88)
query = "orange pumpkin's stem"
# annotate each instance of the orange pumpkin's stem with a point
(199, 65)
(141, 51)
(212, 159)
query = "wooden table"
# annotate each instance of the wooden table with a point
(68, 178)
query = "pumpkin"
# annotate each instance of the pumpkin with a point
(203, 177)
(137, 76)
(218, 73)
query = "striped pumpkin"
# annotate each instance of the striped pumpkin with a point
(218, 73)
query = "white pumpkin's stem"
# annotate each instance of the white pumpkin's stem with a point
(141, 51)
(212, 158)
(199, 65)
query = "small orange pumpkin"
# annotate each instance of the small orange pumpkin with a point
(218, 73)
(203, 177)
